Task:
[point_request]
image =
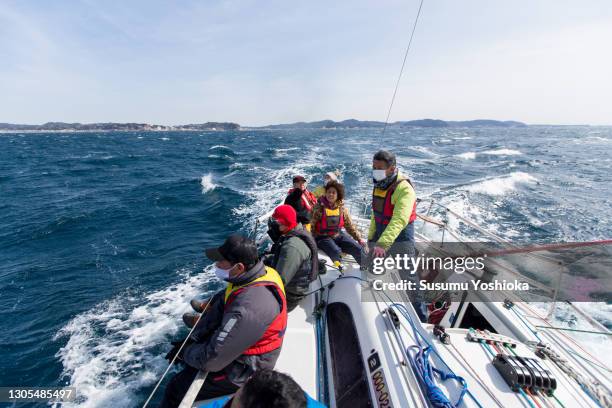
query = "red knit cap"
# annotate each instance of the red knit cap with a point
(285, 215)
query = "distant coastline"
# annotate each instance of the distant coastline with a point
(115, 127)
(224, 126)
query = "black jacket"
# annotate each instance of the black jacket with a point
(294, 199)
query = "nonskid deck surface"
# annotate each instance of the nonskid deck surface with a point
(298, 356)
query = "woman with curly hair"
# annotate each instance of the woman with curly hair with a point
(333, 229)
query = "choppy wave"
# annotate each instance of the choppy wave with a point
(597, 139)
(113, 349)
(498, 152)
(271, 185)
(424, 151)
(224, 150)
(467, 155)
(104, 354)
(207, 183)
(501, 185)
(281, 152)
(502, 152)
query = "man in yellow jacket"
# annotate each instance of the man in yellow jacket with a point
(393, 208)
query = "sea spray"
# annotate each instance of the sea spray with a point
(207, 183)
(113, 350)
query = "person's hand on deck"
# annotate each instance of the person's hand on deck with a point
(379, 252)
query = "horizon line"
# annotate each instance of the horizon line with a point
(295, 122)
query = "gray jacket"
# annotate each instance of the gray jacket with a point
(224, 333)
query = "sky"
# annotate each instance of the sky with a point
(258, 63)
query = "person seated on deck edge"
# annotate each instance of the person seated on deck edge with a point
(267, 388)
(294, 253)
(330, 176)
(329, 219)
(243, 327)
(301, 200)
(394, 205)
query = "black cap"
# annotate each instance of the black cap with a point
(235, 249)
(298, 178)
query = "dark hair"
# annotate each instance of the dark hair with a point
(271, 389)
(386, 156)
(339, 188)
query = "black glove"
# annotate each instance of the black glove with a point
(176, 345)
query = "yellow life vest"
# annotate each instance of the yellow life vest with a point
(271, 276)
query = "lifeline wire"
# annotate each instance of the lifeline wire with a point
(416, 20)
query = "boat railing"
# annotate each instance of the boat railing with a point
(437, 225)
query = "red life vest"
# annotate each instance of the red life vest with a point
(272, 338)
(382, 207)
(308, 199)
(332, 220)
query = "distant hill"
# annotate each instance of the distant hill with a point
(87, 127)
(436, 123)
(210, 126)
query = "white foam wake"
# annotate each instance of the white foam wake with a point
(467, 155)
(111, 350)
(503, 152)
(278, 152)
(501, 185)
(207, 183)
(498, 152)
(271, 185)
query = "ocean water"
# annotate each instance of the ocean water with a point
(101, 234)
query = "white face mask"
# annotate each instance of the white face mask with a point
(379, 175)
(222, 274)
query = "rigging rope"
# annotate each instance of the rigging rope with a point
(596, 391)
(466, 365)
(421, 365)
(574, 330)
(433, 391)
(563, 335)
(416, 21)
(175, 357)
